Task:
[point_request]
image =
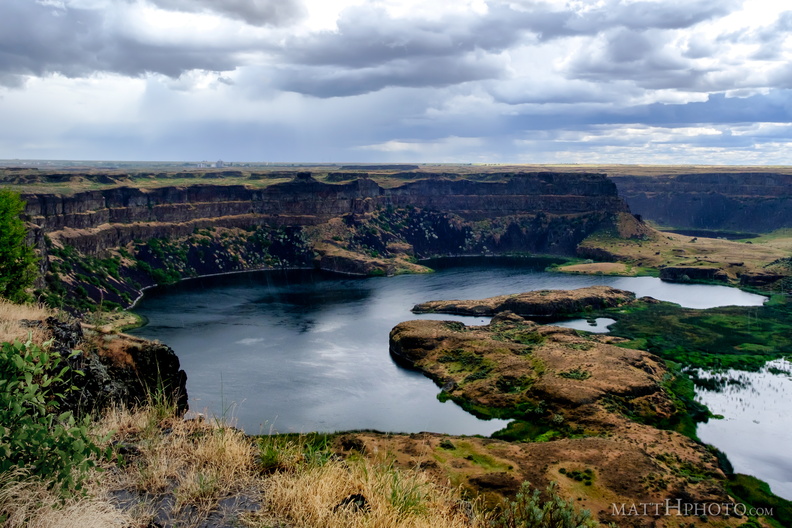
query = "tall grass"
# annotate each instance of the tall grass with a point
(27, 502)
(12, 326)
(199, 462)
(315, 497)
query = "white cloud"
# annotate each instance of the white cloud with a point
(465, 80)
(448, 149)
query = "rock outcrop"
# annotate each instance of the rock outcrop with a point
(693, 273)
(541, 303)
(114, 369)
(601, 405)
(755, 202)
(306, 201)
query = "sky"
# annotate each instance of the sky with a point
(446, 81)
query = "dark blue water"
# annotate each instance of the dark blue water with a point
(308, 351)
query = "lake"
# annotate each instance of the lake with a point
(755, 431)
(300, 351)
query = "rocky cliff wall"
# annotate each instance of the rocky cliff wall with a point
(721, 201)
(305, 200)
(106, 245)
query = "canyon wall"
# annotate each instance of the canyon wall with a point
(109, 244)
(305, 200)
(747, 202)
(93, 221)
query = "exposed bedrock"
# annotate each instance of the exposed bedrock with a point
(305, 200)
(581, 403)
(543, 303)
(356, 227)
(117, 369)
(696, 273)
(721, 201)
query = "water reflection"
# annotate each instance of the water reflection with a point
(755, 431)
(308, 350)
(598, 325)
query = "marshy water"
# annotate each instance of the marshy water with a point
(301, 351)
(755, 431)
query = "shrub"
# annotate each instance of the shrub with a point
(575, 374)
(528, 510)
(33, 435)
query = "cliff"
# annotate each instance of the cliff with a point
(754, 202)
(305, 200)
(109, 244)
(109, 369)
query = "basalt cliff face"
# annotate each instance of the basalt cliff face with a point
(755, 202)
(109, 244)
(306, 201)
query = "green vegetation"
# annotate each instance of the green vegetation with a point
(17, 259)
(681, 389)
(717, 338)
(539, 430)
(278, 452)
(33, 435)
(460, 360)
(586, 476)
(469, 452)
(104, 274)
(528, 510)
(575, 374)
(466, 359)
(754, 493)
(445, 443)
(512, 385)
(518, 333)
(84, 283)
(692, 473)
(682, 393)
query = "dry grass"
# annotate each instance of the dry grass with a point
(28, 503)
(199, 463)
(12, 317)
(312, 498)
(671, 249)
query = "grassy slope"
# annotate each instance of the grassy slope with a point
(743, 337)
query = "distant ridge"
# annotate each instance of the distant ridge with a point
(364, 166)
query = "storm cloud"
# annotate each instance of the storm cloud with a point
(470, 80)
(40, 39)
(254, 12)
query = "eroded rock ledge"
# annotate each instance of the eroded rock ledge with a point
(108, 245)
(117, 369)
(543, 303)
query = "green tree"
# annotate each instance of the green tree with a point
(17, 259)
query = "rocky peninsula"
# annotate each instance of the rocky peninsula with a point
(613, 413)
